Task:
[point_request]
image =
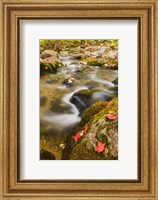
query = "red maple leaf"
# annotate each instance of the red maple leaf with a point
(100, 147)
(85, 128)
(112, 117)
(77, 136)
(110, 104)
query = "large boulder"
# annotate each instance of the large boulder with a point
(99, 140)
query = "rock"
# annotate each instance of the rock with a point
(50, 60)
(41, 60)
(85, 98)
(100, 96)
(43, 100)
(62, 146)
(70, 82)
(50, 66)
(101, 129)
(46, 155)
(51, 81)
(76, 57)
(95, 63)
(49, 53)
(57, 106)
(115, 81)
(114, 88)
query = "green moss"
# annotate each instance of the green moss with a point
(90, 112)
(85, 92)
(97, 121)
(50, 68)
(58, 64)
(93, 62)
(80, 152)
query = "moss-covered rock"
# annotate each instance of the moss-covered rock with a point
(81, 152)
(48, 67)
(102, 122)
(94, 62)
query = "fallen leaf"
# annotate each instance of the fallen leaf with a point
(110, 104)
(77, 136)
(100, 147)
(110, 116)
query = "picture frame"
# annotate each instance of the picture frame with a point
(14, 188)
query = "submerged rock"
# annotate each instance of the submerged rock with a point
(70, 82)
(115, 81)
(76, 57)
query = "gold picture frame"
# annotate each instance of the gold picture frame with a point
(145, 11)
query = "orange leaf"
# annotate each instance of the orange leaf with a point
(112, 117)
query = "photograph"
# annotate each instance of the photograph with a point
(78, 99)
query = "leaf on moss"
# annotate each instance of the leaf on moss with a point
(111, 116)
(77, 136)
(100, 147)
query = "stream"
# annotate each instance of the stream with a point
(61, 107)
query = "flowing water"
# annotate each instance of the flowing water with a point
(57, 114)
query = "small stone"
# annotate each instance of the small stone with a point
(62, 146)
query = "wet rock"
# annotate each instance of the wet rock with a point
(76, 57)
(48, 53)
(110, 67)
(115, 88)
(85, 98)
(50, 66)
(46, 155)
(95, 63)
(59, 107)
(100, 96)
(100, 130)
(70, 82)
(41, 60)
(43, 101)
(51, 81)
(74, 63)
(50, 60)
(115, 81)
